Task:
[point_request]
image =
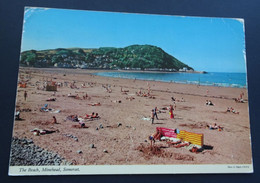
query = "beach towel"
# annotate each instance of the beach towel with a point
(45, 108)
(55, 112)
(146, 119)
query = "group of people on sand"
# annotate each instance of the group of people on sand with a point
(144, 94)
(177, 100)
(155, 110)
(78, 97)
(157, 137)
(92, 116)
(81, 119)
(83, 85)
(130, 98)
(231, 109)
(73, 85)
(240, 98)
(108, 88)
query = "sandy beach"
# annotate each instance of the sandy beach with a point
(123, 140)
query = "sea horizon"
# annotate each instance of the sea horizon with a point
(219, 79)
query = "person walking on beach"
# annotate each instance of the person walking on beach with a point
(171, 112)
(25, 95)
(152, 115)
(155, 113)
(54, 120)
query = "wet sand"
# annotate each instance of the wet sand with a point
(128, 143)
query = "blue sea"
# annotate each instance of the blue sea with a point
(237, 80)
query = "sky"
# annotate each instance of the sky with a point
(206, 44)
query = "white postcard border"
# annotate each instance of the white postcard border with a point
(129, 169)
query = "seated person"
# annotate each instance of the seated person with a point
(210, 103)
(82, 124)
(228, 109)
(233, 110)
(17, 115)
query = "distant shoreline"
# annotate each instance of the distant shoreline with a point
(94, 71)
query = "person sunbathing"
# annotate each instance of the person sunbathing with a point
(89, 116)
(51, 99)
(95, 104)
(215, 127)
(70, 95)
(144, 95)
(117, 101)
(130, 98)
(95, 116)
(164, 108)
(182, 144)
(239, 100)
(73, 118)
(124, 91)
(233, 110)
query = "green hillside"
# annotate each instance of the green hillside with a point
(131, 57)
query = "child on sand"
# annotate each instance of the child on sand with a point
(153, 137)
